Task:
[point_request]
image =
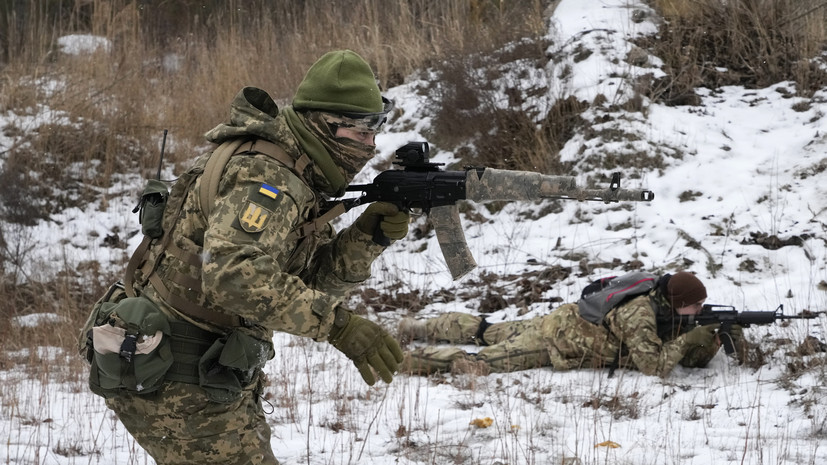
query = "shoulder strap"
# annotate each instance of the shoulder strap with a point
(141, 254)
(221, 156)
(213, 171)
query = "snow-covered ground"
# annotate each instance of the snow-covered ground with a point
(743, 166)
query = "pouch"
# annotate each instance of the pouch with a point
(232, 363)
(128, 347)
(152, 205)
(114, 294)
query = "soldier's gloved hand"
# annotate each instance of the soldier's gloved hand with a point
(702, 336)
(386, 218)
(736, 333)
(367, 344)
(739, 343)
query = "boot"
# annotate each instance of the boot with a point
(411, 330)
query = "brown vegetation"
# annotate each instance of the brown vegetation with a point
(751, 43)
(176, 65)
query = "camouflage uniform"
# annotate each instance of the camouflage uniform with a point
(564, 340)
(251, 264)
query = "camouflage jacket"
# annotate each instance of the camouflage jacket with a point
(253, 265)
(631, 327)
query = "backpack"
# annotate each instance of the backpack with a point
(604, 294)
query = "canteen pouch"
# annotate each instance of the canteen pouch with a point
(129, 347)
(152, 205)
(231, 364)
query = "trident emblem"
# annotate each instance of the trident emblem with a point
(254, 218)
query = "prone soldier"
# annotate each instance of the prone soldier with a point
(642, 327)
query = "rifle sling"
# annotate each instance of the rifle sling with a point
(312, 226)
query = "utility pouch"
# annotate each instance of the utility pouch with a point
(151, 207)
(128, 347)
(231, 364)
(114, 294)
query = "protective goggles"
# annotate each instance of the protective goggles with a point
(361, 121)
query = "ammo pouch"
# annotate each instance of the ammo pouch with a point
(133, 347)
(231, 363)
(127, 345)
(152, 205)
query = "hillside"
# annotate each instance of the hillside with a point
(739, 200)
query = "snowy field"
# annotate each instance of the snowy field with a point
(742, 167)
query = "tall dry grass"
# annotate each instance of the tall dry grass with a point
(177, 65)
(752, 43)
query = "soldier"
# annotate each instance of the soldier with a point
(253, 257)
(637, 333)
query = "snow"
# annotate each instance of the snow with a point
(33, 320)
(743, 162)
(83, 44)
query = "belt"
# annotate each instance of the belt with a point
(188, 343)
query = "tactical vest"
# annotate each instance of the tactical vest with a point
(602, 295)
(178, 282)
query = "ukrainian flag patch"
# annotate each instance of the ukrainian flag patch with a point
(268, 191)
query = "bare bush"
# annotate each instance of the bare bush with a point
(503, 135)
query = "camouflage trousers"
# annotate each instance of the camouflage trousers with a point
(508, 346)
(179, 425)
(561, 339)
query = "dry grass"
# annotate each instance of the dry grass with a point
(176, 65)
(57, 309)
(751, 43)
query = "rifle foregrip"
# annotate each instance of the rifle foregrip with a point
(494, 184)
(725, 336)
(451, 238)
(727, 342)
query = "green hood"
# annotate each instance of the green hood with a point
(253, 113)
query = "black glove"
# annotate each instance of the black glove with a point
(384, 219)
(367, 344)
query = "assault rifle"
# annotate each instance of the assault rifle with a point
(423, 185)
(727, 316)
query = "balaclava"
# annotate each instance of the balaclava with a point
(340, 83)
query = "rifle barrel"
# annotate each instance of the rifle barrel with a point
(493, 185)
